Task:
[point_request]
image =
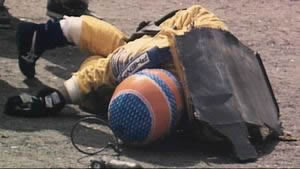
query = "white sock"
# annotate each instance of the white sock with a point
(71, 27)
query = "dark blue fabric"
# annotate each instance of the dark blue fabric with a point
(153, 58)
(49, 36)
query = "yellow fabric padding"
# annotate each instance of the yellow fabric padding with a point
(99, 37)
(93, 73)
(91, 60)
(194, 16)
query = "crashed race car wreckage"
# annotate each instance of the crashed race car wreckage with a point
(226, 88)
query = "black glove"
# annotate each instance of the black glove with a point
(47, 101)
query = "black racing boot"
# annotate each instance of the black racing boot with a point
(33, 39)
(2, 3)
(5, 17)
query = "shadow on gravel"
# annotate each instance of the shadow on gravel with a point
(192, 152)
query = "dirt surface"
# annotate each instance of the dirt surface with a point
(270, 27)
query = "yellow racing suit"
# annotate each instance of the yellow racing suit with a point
(111, 53)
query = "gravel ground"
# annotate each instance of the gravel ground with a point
(270, 27)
